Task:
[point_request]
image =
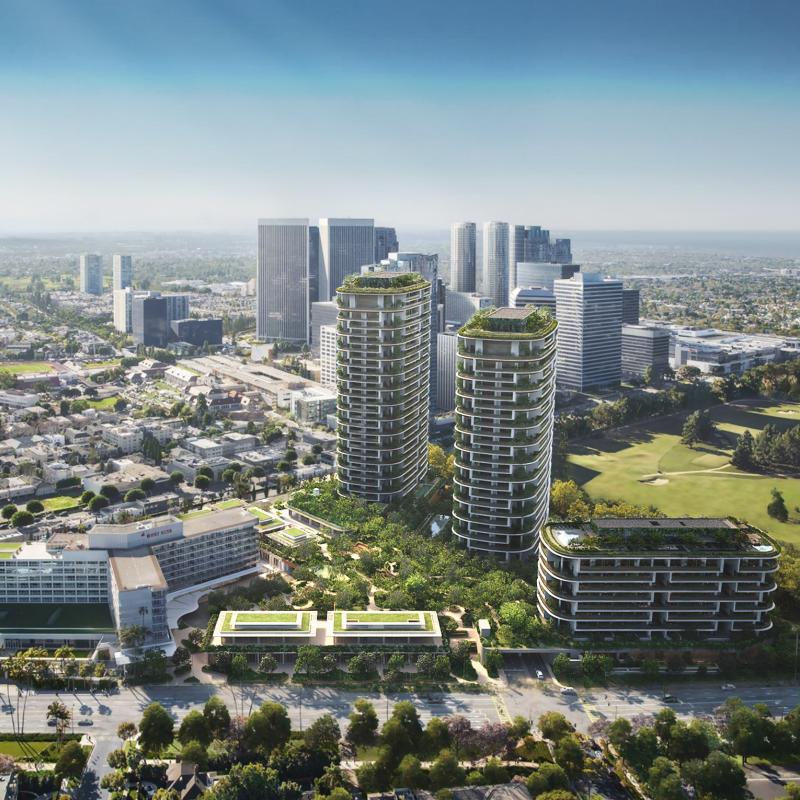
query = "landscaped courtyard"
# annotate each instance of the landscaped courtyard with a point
(646, 464)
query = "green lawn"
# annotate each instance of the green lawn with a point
(114, 362)
(7, 549)
(260, 513)
(381, 616)
(60, 502)
(46, 616)
(294, 533)
(106, 404)
(640, 464)
(264, 617)
(233, 502)
(25, 367)
(22, 753)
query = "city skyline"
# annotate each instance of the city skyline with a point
(633, 119)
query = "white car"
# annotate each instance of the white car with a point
(728, 687)
(568, 690)
(540, 674)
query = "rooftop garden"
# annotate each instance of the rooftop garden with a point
(390, 617)
(383, 281)
(320, 498)
(265, 618)
(536, 324)
(7, 549)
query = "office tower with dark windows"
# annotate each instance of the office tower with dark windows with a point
(91, 274)
(346, 245)
(313, 263)
(446, 344)
(630, 306)
(542, 273)
(197, 332)
(383, 384)
(463, 263)
(122, 272)
(644, 349)
(505, 400)
(589, 313)
(385, 243)
(177, 306)
(149, 321)
(282, 280)
(495, 262)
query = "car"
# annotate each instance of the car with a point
(669, 698)
(728, 687)
(52, 723)
(568, 690)
(85, 723)
(540, 674)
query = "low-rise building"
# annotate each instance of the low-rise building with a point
(657, 578)
(312, 406)
(266, 628)
(644, 348)
(16, 398)
(383, 627)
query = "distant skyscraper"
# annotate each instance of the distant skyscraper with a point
(322, 313)
(150, 324)
(91, 273)
(461, 306)
(589, 313)
(177, 306)
(495, 262)
(345, 246)
(630, 306)
(123, 308)
(382, 385)
(504, 435)
(462, 257)
(313, 263)
(385, 243)
(533, 296)
(282, 305)
(122, 272)
(542, 274)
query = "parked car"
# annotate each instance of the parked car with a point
(568, 690)
(669, 698)
(85, 723)
(728, 687)
(540, 674)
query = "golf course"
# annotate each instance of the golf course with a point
(647, 464)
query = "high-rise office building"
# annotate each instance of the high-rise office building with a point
(542, 274)
(177, 306)
(91, 273)
(385, 243)
(345, 245)
(533, 296)
(149, 321)
(123, 308)
(198, 332)
(446, 346)
(644, 348)
(282, 304)
(383, 384)
(495, 262)
(313, 263)
(122, 272)
(505, 400)
(460, 306)
(322, 313)
(630, 306)
(327, 355)
(589, 313)
(462, 257)
(531, 244)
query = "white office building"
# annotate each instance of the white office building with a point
(461, 306)
(123, 308)
(462, 257)
(91, 274)
(327, 356)
(282, 291)
(495, 262)
(345, 245)
(589, 313)
(122, 272)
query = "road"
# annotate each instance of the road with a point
(304, 705)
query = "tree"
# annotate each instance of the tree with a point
(193, 752)
(134, 494)
(363, 726)
(71, 761)
(87, 496)
(98, 502)
(663, 722)
(375, 776)
(557, 794)
(132, 636)
(743, 453)
(267, 728)
(568, 501)
(494, 772)
(554, 726)
(547, 778)
(664, 780)
(202, 482)
(267, 664)
(446, 771)
(246, 782)
(688, 741)
(21, 519)
(8, 511)
(569, 755)
(411, 774)
(127, 730)
(323, 734)
(698, 428)
(217, 716)
(403, 731)
(719, 776)
(34, 506)
(176, 477)
(156, 730)
(776, 508)
(309, 659)
(110, 492)
(195, 728)
(181, 656)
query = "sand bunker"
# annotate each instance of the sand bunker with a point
(655, 481)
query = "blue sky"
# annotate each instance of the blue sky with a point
(620, 114)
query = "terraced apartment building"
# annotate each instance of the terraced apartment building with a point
(383, 384)
(505, 396)
(657, 578)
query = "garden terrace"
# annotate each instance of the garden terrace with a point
(265, 627)
(383, 282)
(673, 536)
(509, 323)
(410, 627)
